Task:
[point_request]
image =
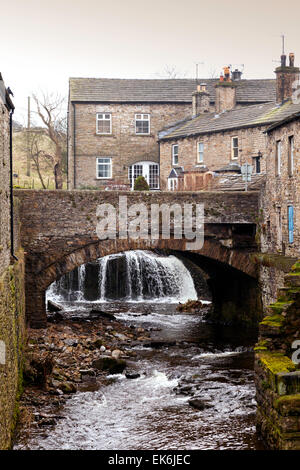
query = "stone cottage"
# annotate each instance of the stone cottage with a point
(228, 135)
(281, 195)
(114, 123)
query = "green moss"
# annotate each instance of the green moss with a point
(273, 320)
(261, 346)
(276, 362)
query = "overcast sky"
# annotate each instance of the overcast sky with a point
(43, 43)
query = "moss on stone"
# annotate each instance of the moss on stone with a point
(276, 362)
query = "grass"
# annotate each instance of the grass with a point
(20, 165)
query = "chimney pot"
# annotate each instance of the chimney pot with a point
(292, 59)
(283, 60)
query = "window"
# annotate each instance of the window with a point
(234, 148)
(257, 166)
(291, 156)
(291, 223)
(278, 158)
(103, 125)
(200, 152)
(172, 184)
(142, 123)
(149, 170)
(104, 168)
(175, 154)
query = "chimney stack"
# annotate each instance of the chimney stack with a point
(225, 92)
(200, 100)
(286, 75)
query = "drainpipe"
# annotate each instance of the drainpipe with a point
(11, 188)
(74, 144)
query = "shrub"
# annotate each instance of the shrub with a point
(141, 184)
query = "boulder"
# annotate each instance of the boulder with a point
(53, 307)
(101, 314)
(200, 404)
(110, 364)
(132, 375)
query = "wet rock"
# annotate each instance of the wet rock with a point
(53, 307)
(71, 342)
(159, 344)
(113, 366)
(200, 404)
(132, 375)
(101, 314)
(116, 354)
(121, 336)
(191, 306)
(67, 387)
(55, 318)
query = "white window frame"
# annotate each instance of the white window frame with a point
(200, 152)
(104, 163)
(291, 154)
(175, 154)
(278, 158)
(172, 184)
(142, 119)
(103, 119)
(234, 147)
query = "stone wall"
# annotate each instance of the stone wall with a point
(123, 145)
(277, 374)
(4, 188)
(281, 191)
(12, 300)
(217, 150)
(12, 335)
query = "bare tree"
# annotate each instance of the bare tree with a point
(38, 155)
(171, 71)
(50, 109)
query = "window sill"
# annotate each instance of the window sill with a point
(143, 135)
(103, 179)
(104, 135)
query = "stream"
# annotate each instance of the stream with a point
(189, 359)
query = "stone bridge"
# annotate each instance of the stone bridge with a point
(58, 233)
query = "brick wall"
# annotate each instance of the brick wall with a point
(123, 145)
(280, 192)
(217, 150)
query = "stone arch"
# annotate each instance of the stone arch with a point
(37, 282)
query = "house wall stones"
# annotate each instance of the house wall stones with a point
(12, 301)
(217, 150)
(282, 190)
(123, 145)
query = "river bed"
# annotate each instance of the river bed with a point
(193, 359)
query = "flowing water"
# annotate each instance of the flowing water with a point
(152, 412)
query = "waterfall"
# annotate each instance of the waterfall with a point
(139, 276)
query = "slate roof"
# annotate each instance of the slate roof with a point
(292, 116)
(236, 183)
(115, 90)
(244, 117)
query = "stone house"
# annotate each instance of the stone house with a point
(113, 124)
(230, 134)
(6, 108)
(281, 195)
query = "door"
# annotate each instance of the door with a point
(149, 170)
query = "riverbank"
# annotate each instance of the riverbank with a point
(71, 356)
(191, 383)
